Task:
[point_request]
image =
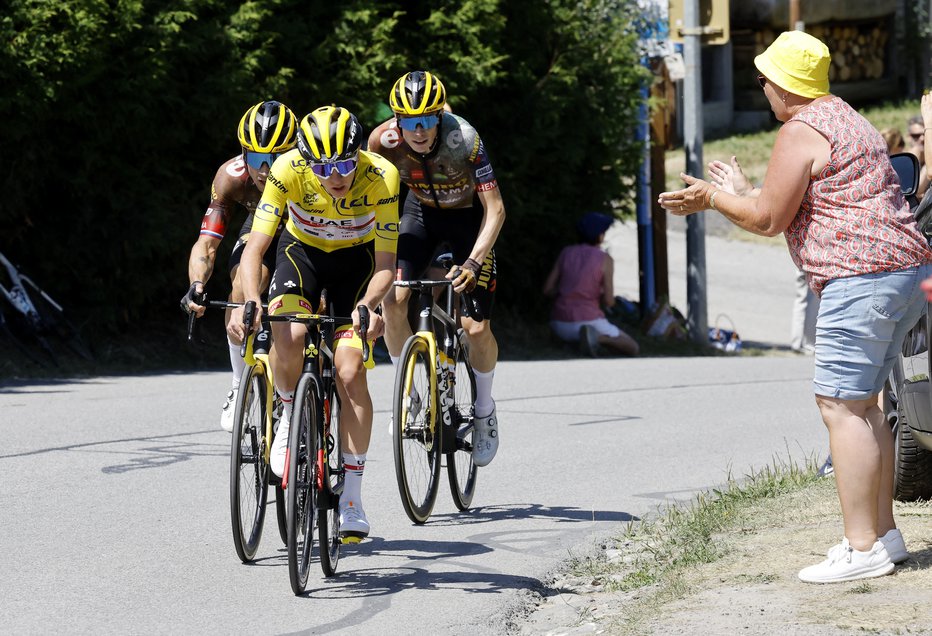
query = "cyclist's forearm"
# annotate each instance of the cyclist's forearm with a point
(202, 259)
(380, 284)
(492, 221)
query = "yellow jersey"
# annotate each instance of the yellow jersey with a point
(368, 212)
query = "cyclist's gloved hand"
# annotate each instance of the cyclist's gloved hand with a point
(464, 277)
(191, 301)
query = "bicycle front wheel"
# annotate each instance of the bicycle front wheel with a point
(461, 470)
(415, 436)
(248, 470)
(301, 488)
(328, 523)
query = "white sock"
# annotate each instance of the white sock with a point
(394, 360)
(353, 466)
(287, 398)
(236, 363)
(484, 403)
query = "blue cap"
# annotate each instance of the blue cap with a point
(592, 224)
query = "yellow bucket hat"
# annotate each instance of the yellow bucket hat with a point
(796, 62)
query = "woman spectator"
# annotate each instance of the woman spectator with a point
(831, 190)
(579, 280)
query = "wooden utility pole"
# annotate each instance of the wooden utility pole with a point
(796, 23)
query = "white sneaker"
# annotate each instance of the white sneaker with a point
(226, 412)
(485, 439)
(589, 341)
(896, 547)
(844, 563)
(279, 452)
(354, 527)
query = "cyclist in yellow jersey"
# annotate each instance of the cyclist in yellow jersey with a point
(265, 131)
(340, 236)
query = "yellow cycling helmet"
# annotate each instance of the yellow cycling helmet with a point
(268, 127)
(417, 93)
(329, 134)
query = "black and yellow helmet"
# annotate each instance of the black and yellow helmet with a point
(417, 93)
(268, 127)
(329, 134)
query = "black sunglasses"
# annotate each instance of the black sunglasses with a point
(762, 81)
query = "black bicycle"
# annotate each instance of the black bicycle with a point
(37, 314)
(313, 478)
(432, 411)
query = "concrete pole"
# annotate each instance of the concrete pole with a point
(697, 310)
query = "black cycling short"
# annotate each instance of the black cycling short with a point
(424, 230)
(237, 254)
(302, 271)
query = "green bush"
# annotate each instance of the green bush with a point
(118, 113)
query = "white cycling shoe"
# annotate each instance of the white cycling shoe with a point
(485, 439)
(354, 527)
(227, 411)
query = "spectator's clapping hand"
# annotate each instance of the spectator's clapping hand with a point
(926, 285)
(729, 178)
(925, 107)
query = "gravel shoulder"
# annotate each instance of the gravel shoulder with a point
(753, 589)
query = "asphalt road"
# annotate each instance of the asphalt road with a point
(114, 512)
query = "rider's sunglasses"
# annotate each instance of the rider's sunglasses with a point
(256, 159)
(424, 121)
(762, 81)
(326, 170)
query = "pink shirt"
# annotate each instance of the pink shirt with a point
(579, 286)
(853, 218)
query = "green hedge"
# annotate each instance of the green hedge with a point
(117, 114)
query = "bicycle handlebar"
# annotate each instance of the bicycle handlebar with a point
(469, 304)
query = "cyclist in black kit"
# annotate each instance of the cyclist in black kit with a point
(454, 199)
(265, 131)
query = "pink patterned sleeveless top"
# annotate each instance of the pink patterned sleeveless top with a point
(579, 289)
(853, 218)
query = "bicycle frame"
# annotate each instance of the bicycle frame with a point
(17, 295)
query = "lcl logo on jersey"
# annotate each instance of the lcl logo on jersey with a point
(268, 208)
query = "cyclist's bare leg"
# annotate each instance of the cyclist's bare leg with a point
(397, 328)
(356, 414)
(483, 347)
(287, 355)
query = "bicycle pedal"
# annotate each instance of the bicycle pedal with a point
(350, 539)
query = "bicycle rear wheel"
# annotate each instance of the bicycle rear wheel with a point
(328, 523)
(416, 444)
(301, 485)
(248, 469)
(461, 470)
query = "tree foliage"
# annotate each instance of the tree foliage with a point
(118, 113)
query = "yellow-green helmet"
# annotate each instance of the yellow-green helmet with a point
(268, 127)
(417, 93)
(328, 134)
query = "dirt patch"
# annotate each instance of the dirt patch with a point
(753, 587)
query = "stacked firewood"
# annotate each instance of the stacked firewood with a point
(858, 49)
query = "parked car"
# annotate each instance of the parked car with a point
(908, 393)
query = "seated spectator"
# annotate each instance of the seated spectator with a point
(579, 280)
(894, 139)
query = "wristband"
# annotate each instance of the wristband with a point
(712, 201)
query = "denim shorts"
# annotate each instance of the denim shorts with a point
(862, 323)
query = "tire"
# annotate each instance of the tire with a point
(248, 469)
(300, 489)
(281, 514)
(416, 442)
(461, 470)
(912, 477)
(328, 525)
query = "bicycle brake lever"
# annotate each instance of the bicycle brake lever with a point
(200, 299)
(363, 330)
(249, 314)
